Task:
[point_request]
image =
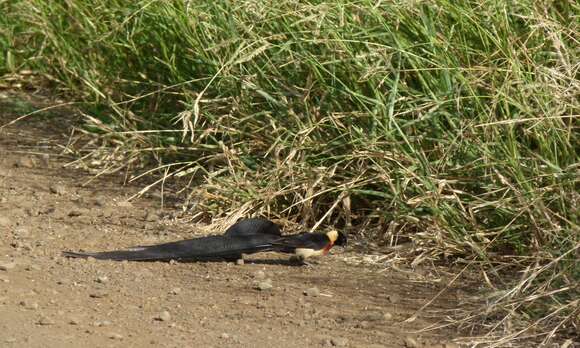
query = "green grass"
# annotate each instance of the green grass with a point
(453, 123)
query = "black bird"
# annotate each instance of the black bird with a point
(248, 236)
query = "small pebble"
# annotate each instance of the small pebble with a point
(394, 298)
(74, 213)
(31, 211)
(33, 267)
(225, 336)
(102, 279)
(265, 285)
(452, 345)
(313, 292)
(125, 204)
(388, 316)
(175, 291)
(74, 321)
(86, 220)
(29, 305)
(240, 262)
(22, 232)
(363, 325)
(150, 216)
(45, 321)
(57, 189)
(99, 202)
(102, 323)
(115, 336)
(411, 342)
(7, 266)
(99, 294)
(25, 162)
(339, 342)
(163, 316)
(375, 316)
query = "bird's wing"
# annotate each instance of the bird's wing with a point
(250, 227)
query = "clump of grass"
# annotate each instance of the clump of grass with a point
(450, 123)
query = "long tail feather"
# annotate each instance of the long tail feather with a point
(205, 248)
(119, 255)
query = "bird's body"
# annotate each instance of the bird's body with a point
(245, 237)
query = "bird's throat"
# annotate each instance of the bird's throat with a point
(327, 248)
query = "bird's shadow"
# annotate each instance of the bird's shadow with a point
(273, 262)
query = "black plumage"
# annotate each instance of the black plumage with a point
(247, 236)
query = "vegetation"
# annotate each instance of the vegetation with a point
(450, 123)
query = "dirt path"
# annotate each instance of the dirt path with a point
(49, 301)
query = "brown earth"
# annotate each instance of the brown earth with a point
(50, 301)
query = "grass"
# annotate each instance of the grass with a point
(453, 124)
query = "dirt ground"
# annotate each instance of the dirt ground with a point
(50, 301)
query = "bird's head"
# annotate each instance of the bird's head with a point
(337, 238)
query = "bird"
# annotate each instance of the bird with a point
(248, 236)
